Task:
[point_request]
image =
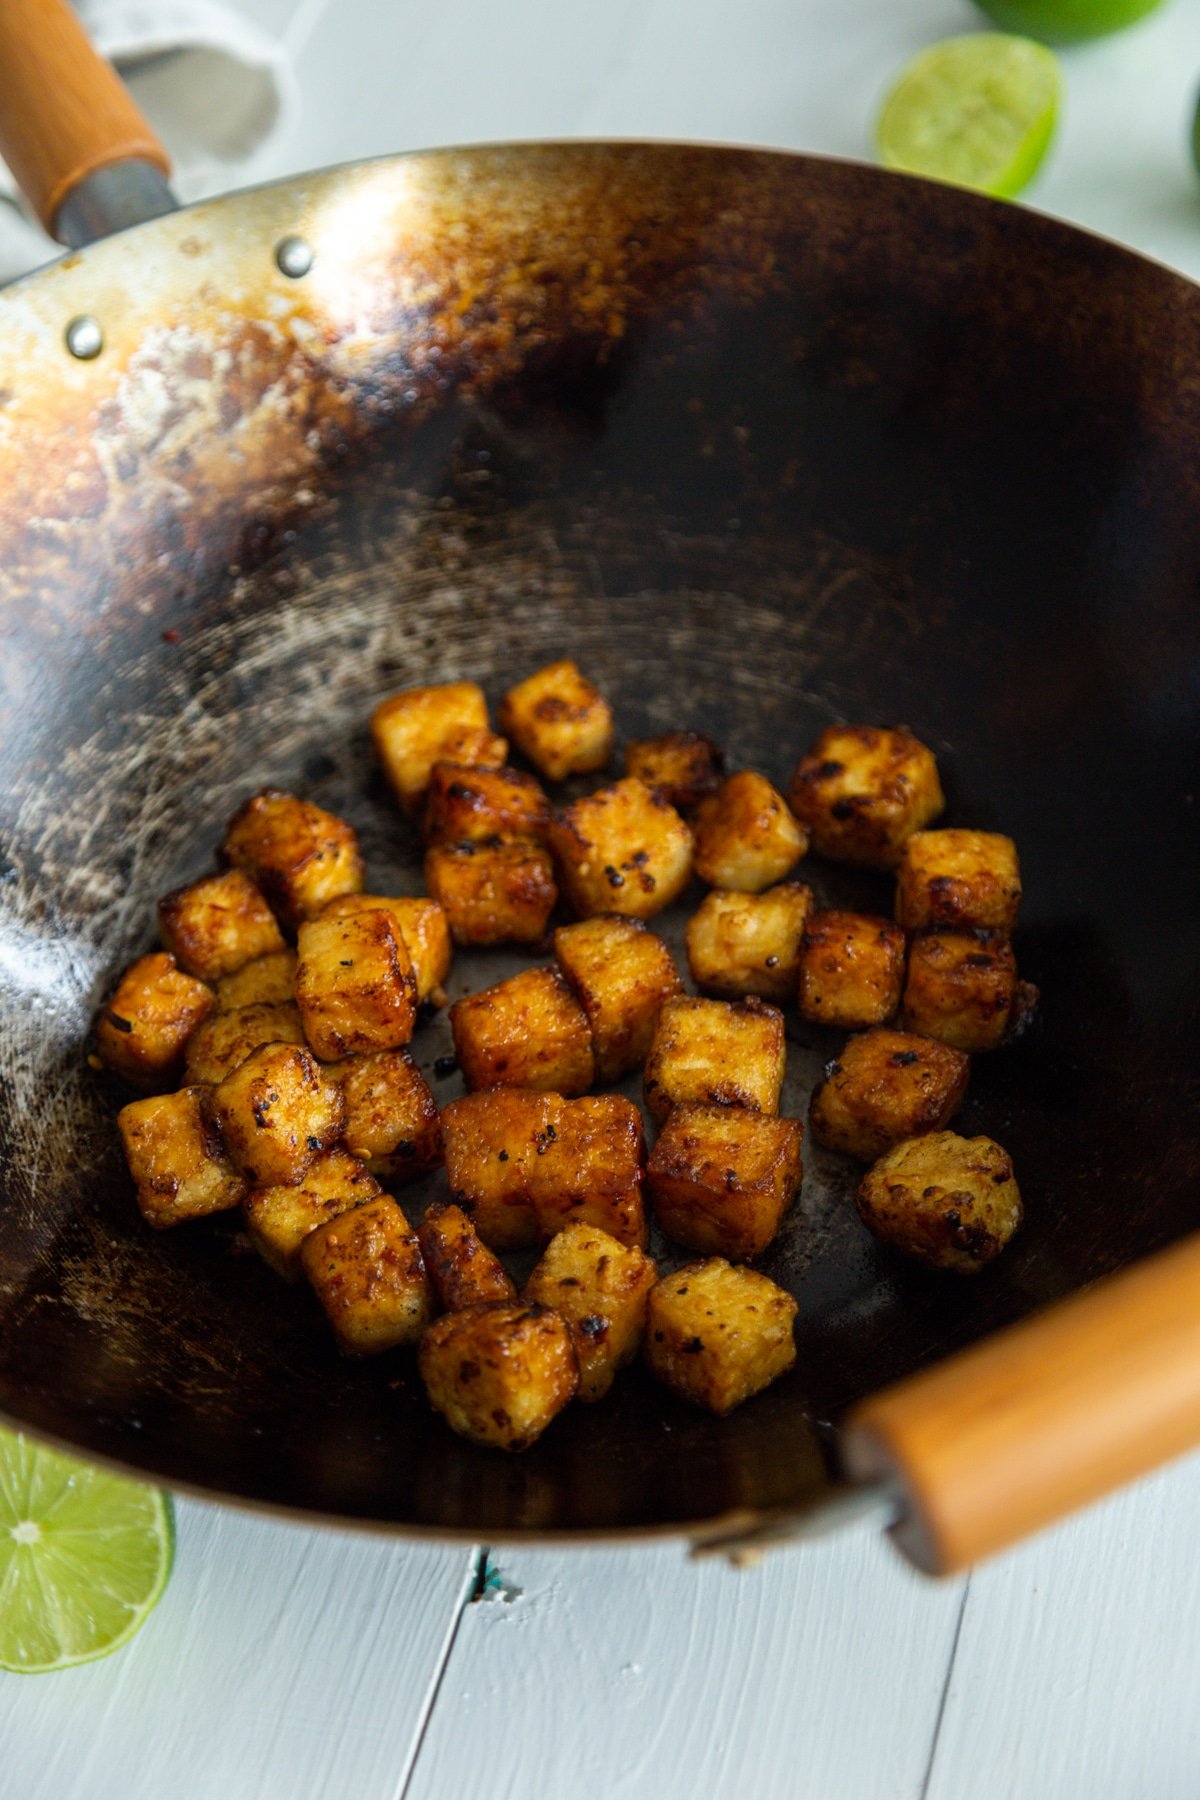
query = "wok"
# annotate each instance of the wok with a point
(764, 441)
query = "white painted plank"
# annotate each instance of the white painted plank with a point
(281, 1661)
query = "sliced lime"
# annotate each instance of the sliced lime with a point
(1066, 21)
(84, 1556)
(977, 111)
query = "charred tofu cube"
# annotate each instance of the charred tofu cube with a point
(355, 985)
(278, 1111)
(600, 1287)
(746, 837)
(716, 1334)
(423, 725)
(621, 974)
(221, 1043)
(749, 943)
(958, 878)
(720, 1179)
(680, 765)
(267, 981)
(886, 1086)
(500, 1372)
(495, 892)
(422, 924)
(147, 1023)
(299, 855)
(950, 1201)
(391, 1115)
(719, 1052)
(961, 988)
(560, 721)
(472, 806)
(529, 1031)
(177, 1159)
(462, 1268)
(862, 792)
(851, 969)
(279, 1219)
(623, 849)
(366, 1269)
(215, 926)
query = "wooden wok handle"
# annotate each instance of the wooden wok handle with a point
(1042, 1418)
(64, 114)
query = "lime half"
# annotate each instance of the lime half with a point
(84, 1556)
(1066, 21)
(977, 111)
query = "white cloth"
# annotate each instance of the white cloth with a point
(212, 85)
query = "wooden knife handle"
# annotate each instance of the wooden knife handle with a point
(64, 113)
(1041, 1418)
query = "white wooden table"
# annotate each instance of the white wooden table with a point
(287, 1664)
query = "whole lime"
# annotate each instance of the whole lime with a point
(1065, 21)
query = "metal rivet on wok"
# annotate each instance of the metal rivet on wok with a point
(84, 337)
(294, 257)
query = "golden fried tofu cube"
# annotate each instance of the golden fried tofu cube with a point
(623, 849)
(423, 725)
(499, 892)
(223, 1042)
(950, 1201)
(471, 806)
(560, 721)
(851, 969)
(423, 925)
(177, 1159)
(461, 1267)
(277, 1111)
(717, 1334)
(267, 981)
(391, 1115)
(215, 926)
(500, 1372)
(355, 985)
(301, 856)
(958, 878)
(720, 1178)
(746, 836)
(749, 943)
(720, 1052)
(885, 1086)
(279, 1219)
(529, 1031)
(621, 974)
(680, 765)
(366, 1269)
(147, 1023)
(862, 792)
(600, 1287)
(961, 988)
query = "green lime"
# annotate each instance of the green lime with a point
(1065, 21)
(84, 1556)
(978, 111)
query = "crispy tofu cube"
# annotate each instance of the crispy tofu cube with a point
(423, 925)
(472, 806)
(423, 725)
(462, 1268)
(278, 1111)
(961, 988)
(355, 985)
(493, 893)
(680, 765)
(950, 1201)
(366, 1269)
(623, 849)
(278, 1219)
(746, 837)
(886, 1086)
(716, 1334)
(392, 1119)
(958, 878)
(862, 792)
(500, 1372)
(215, 926)
(267, 981)
(177, 1159)
(299, 855)
(720, 1179)
(148, 1021)
(720, 1052)
(529, 1031)
(851, 969)
(621, 974)
(560, 721)
(223, 1042)
(600, 1287)
(749, 943)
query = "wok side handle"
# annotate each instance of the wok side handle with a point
(1044, 1417)
(65, 117)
